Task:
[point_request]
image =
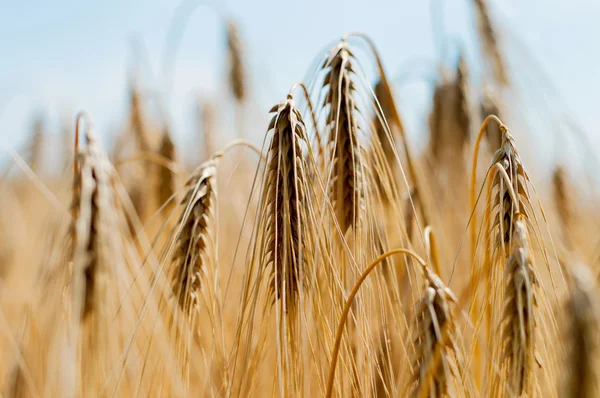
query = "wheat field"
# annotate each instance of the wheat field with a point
(327, 258)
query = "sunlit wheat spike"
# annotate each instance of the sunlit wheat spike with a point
(347, 188)
(237, 72)
(489, 42)
(435, 361)
(195, 244)
(506, 206)
(519, 317)
(287, 237)
(583, 313)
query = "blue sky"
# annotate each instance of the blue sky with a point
(63, 56)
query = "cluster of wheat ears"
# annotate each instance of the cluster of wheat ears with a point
(334, 260)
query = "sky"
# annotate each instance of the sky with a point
(59, 57)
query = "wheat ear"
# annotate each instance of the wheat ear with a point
(347, 188)
(583, 314)
(287, 236)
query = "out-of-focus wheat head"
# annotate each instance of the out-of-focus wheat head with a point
(581, 334)
(237, 71)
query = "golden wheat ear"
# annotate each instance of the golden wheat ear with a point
(195, 246)
(510, 209)
(564, 208)
(237, 73)
(436, 362)
(166, 186)
(450, 119)
(583, 321)
(98, 264)
(519, 320)
(488, 39)
(281, 254)
(347, 188)
(386, 117)
(93, 224)
(287, 236)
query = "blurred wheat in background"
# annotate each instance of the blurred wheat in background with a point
(330, 259)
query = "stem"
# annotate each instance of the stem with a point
(342, 322)
(241, 142)
(154, 158)
(432, 250)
